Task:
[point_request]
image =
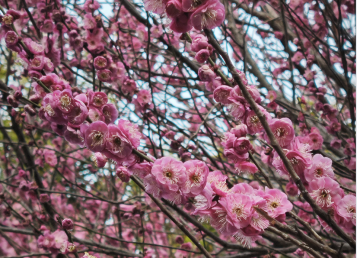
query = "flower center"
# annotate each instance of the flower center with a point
(168, 174)
(351, 209)
(65, 101)
(208, 16)
(49, 110)
(98, 100)
(195, 178)
(196, 3)
(36, 62)
(97, 137)
(319, 172)
(294, 161)
(7, 19)
(104, 75)
(239, 211)
(254, 119)
(11, 39)
(116, 140)
(274, 204)
(280, 132)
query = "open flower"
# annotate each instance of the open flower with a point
(283, 131)
(131, 131)
(208, 16)
(117, 143)
(239, 209)
(277, 202)
(320, 167)
(65, 102)
(346, 208)
(197, 173)
(325, 191)
(96, 136)
(170, 173)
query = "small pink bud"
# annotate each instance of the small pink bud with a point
(123, 174)
(100, 62)
(35, 98)
(240, 130)
(44, 198)
(187, 246)
(11, 38)
(24, 186)
(22, 173)
(67, 224)
(179, 240)
(30, 110)
(18, 94)
(100, 160)
(202, 55)
(104, 75)
(291, 189)
(206, 74)
(43, 228)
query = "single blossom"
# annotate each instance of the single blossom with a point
(199, 41)
(131, 131)
(197, 173)
(320, 167)
(65, 102)
(96, 136)
(67, 224)
(221, 94)
(209, 15)
(283, 131)
(117, 143)
(325, 191)
(277, 202)
(169, 173)
(346, 208)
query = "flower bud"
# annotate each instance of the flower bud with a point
(202, 55)
(24, 186)
(240, 130)
(100, 62)
(11, 38)
(206, 74)
(291, 189)
(35, 98)
(187, 246)
(18, 94)
(199, 42)
(44, 198)
(30, 110)
(123, 174)
(179, 240)
(100, 160)
(22, 173)
(173, 8)
(67, 224)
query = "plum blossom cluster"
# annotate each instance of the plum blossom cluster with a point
(232, 211)
(86, 119)
(55, 242)
(176, 181)
(37, 57)
(315, 171)
(188, 14)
